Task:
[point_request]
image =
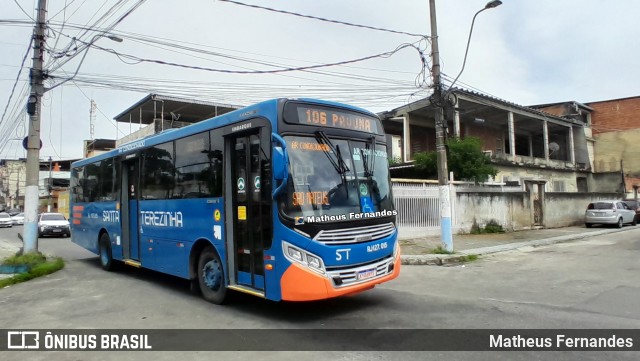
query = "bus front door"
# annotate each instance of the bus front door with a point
(250, 217)
(129, 211)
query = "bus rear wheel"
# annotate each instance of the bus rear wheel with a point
(211, 276)
(106, 258)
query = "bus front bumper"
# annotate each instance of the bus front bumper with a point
(301, 284)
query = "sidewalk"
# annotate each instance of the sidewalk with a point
(7, 249)
(420, 251)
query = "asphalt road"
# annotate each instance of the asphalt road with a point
(592, 283)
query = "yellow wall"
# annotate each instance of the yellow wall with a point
(63, 203)
(612, 147)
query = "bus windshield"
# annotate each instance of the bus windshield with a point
(336, 177)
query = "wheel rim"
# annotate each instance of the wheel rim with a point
(212, 274)
(104, 257)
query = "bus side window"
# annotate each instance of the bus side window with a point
(216, 153)
(158, 172)
(192, 166)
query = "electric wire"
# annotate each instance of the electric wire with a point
(273, 71)
(64, 21)
(24, 59)
(341, 75)
(321, 19)
(51, 127)
(95, 37)
(72, 46)
(64, 10)
(100, 110)
(23, 11)
(182, 44)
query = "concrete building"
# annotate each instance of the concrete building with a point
(12, 183)
(527, 145)
(615, 127)
(53, 179)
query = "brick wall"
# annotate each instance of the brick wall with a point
(492, 138)
(616, 130)
(632, 184)
(615, 115)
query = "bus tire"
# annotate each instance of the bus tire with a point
(106, 258)
(211, 276)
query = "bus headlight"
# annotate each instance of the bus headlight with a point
(314, 262)
(294, 254)
(297, 255)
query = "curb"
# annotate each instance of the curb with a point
(461, 257)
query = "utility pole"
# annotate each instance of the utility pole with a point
(34, 106)
(446, 231)
(50, 186)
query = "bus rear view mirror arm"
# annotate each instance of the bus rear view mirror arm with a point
(280, 161)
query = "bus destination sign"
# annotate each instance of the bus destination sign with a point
(329, 117)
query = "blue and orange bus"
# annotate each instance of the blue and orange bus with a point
(288, 199)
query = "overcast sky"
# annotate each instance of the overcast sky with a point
(526, 52)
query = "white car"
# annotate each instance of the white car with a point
(18, 219)
(5, 220)
(609, 212)
(53, 224)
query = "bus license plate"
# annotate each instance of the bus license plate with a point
(363, 275)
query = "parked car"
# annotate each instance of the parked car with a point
(18, 219)
(5, 220)
(13, 212)
(53, 224)
(609, 212)
(635, 205)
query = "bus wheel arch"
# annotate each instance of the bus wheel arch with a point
(208, 272)
(104, 251)
(197, 248)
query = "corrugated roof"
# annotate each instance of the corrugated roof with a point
(190, 110)
(468, 93)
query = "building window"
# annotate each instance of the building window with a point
(581, 183)
(558, 186)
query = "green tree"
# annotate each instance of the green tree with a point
(464, 158)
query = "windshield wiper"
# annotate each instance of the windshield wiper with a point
(339, 163)
(371, 157)
(340, 166)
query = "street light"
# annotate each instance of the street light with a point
(86, 51)
(446, 229)
(490, 5)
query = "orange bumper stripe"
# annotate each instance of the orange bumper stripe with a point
(301, 284)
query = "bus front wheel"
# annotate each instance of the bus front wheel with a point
(106, 259)
(211, 276)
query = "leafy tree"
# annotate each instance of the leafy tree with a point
(464, 158)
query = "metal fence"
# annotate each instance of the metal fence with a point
(418, 208)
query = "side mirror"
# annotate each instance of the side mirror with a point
(279, 164)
